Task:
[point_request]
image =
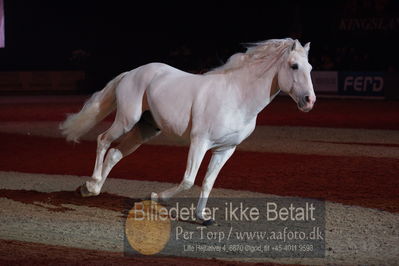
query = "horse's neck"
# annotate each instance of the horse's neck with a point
(258, 92)
(274, 90)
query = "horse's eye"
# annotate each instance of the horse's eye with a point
(294, 66)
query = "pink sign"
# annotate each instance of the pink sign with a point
(1, 24)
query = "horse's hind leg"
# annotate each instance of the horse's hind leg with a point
(140, 134)
(121, 125)
(104, 140)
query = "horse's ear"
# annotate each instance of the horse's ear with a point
(307, 47)
(295, 45)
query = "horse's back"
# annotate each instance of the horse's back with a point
(156, 69)
(138, 80)
(180, 101)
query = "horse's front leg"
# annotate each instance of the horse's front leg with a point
(219, 158)
(198, 148)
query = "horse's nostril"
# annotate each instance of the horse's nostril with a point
(307, 99)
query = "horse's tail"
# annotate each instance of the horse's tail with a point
(99, 106)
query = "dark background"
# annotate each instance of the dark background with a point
(104, 38)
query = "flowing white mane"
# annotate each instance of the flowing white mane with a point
(262, 54)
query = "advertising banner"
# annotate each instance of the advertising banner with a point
(40, 80)
(361, 83)
(325, 81)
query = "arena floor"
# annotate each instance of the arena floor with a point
(344, 151)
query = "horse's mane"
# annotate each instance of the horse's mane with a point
(262, 54)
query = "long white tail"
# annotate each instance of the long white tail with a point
(99, 106)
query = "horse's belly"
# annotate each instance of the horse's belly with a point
(235, 137)
(171, 114)
(172, 124)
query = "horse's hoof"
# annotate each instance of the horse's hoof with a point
(208, 222)
(154, 197)
(84, 192)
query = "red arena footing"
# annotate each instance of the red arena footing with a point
(364, 181)
(282, 111)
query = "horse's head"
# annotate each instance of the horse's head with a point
(294, 77)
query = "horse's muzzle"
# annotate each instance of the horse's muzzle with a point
(305, 103)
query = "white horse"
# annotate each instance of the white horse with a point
(214, 111)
